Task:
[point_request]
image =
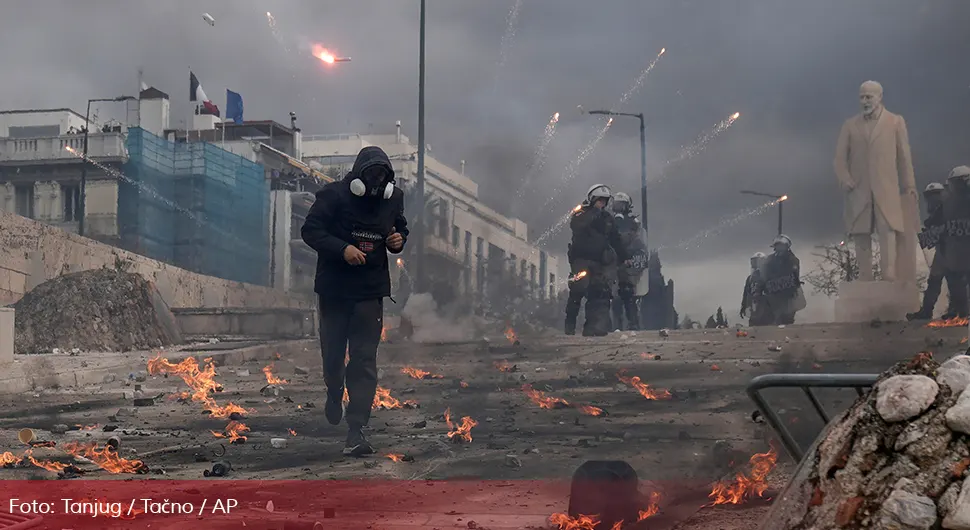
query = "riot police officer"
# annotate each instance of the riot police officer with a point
(628, 273)
(593, 254)
(930, 237)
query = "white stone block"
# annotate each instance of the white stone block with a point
(6, 335)
(860, 301)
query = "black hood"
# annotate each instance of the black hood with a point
(368, 157)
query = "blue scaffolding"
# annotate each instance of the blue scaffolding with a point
(196, 206)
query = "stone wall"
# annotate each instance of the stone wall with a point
(32, 253)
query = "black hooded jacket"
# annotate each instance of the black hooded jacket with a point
(339, 218)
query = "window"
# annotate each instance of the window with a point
(454, 236)
(71, 197)
(480, 269)
(512, 261)
(543, 266)
(443, 220)
(532, 276)
(24, 200)
(522, 266)
(468, 247)
(552, 286)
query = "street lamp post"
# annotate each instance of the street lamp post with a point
(419, 221)
(781, 205)
(643, 165)
(82, 191)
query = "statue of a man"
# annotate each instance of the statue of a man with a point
(875, 169)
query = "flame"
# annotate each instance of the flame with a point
(272, 379)
(544, 402)
(400, 262)
(663, 51)
(417, 373)
(201, 381)
(653, 507)
(578, 208)
(617, 525)
(56, 467)
(735, 116)
(292, 432)
(395, 457)
(383, 334)
(503, 366)
(459, 433)
(9, 459)
(783, 198)
(744, 486)
(579, 276)
(741, 333)
(648, 356)
(643, 388)
(581, 522)
(234, 432)
(555, 117)
(590, 410)
(539, 398)
(954, 322)
(86, 427)
(510, 334)
(963, 340)
(106, 458)
(384, 399)
(323, 54)
(715, 368)
(462, 384)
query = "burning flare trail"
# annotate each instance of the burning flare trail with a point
(725, 222)
(700, 143)
(573, 169)
(538, 159)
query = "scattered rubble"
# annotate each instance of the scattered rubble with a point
(896, 459)
(102, 310)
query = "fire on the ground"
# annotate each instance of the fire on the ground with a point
(461, 432)
(591, 522)
(539, 398)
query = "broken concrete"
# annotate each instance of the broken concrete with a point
(955, 374)
(905, 396)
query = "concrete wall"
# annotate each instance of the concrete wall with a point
(32, 253)
(63, 118)
(258, 323)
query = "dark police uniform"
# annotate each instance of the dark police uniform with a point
(628, 275)
(595, 249)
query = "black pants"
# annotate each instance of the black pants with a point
(596, 287)
(956, 282)
(626, 302)
(351, 327)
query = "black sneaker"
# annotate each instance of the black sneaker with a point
(357, 445)
(333, 410)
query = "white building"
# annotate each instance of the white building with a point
(466, 240)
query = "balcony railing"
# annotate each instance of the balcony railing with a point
(101, 146)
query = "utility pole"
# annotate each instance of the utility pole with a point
(419, 221)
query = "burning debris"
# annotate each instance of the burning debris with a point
(898, 458)
(539, 398)
(461, 433)
(416, 373)
(643, 388)
(511, 336)
(233, 432)
(955, 322)
(272, 379)
(384, 400)
(504, 366)
(200, 380)
(744, 486)
(399, 458)
(592, 522)
(101, 310)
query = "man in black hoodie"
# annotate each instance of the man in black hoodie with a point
(352, 225)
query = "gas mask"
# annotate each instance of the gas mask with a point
(870, 97)
(374, 181)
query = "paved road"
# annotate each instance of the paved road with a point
(668, 441)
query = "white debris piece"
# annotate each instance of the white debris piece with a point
(903, 397)
(208, 19)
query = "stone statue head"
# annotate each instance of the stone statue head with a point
(870, 96)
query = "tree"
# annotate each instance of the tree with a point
(688, 323)
(837, 264)
(721, 321)
(711, 323)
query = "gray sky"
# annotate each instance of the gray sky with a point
(792, 68)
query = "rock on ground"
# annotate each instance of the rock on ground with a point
(892, 461)
(93, 310)
(904, 396)
(955, 374)
(958, 417)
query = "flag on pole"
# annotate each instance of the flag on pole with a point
(234, 106)
(198, 95)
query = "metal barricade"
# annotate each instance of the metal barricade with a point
(806, 382)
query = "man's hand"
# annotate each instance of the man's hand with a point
(395, 241)
(354, 256)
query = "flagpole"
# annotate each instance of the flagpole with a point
(139, 96)
(222, 118)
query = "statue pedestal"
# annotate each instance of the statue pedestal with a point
(860, 301)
